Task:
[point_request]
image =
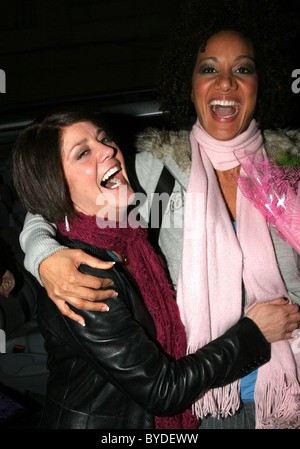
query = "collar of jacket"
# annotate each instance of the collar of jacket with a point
(174, 146)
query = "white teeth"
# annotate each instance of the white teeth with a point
(113, 181)
(110, 172)
(223, 103)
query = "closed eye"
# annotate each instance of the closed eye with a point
(105, 140)
(109, 142)
(82, 153)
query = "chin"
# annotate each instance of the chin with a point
(226, 132)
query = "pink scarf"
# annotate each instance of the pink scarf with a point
(148, 270)
(215, 261)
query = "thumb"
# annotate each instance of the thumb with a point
(84, 258)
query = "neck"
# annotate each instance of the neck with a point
(225, 155)
(117, 215)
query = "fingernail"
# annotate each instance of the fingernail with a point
(105, 309)
(115, 294)
(82, 324)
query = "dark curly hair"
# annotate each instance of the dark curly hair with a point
(271, 31)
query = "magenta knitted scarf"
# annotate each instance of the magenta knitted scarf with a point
(148, 270)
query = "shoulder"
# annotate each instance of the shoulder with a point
(160, 144)
(282, 141)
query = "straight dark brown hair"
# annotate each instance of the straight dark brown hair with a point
(37, 165)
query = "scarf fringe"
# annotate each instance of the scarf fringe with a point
(219, 402)
(278, 403)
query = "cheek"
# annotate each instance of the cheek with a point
(82, 175)
(199, 97)
(74, 191)
(79, 183)
(251, 89)
(199, 90)
(120, 158)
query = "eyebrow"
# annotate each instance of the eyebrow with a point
(238, 58)
(244, 56)
(81, 142)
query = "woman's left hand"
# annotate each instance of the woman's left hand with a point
(276, 319)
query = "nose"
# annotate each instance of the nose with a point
(105, 152)
(226, 82)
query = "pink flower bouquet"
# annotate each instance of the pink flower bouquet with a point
(275, 191)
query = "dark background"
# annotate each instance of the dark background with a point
(55, 49)
(100, 53)
(80, 51)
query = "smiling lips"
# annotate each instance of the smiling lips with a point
(225, 109)
(113, 178)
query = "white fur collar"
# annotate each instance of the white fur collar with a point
(162, 143)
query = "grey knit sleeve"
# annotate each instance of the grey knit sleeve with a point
(38, 241)
(289, 265)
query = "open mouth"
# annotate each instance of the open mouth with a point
(224, 108)
(113, 178)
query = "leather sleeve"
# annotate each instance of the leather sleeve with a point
(119, 349)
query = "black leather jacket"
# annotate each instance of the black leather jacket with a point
(112, 374)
